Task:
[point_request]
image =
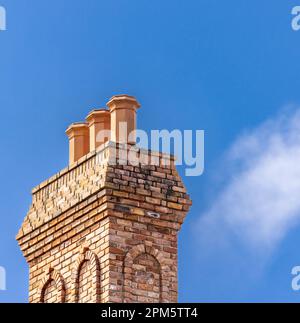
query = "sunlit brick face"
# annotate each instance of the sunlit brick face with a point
(85, 284)
(50, 293)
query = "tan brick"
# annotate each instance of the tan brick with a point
(174, 206)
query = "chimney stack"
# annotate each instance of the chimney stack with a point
(123, 118)
(78, 134)
(99, 127)
(105, 230)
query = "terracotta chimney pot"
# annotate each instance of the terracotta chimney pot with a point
(78, 134)
(98, 121)
(123, 112)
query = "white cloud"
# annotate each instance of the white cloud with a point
(259, 202)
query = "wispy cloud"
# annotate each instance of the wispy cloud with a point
(259, 201)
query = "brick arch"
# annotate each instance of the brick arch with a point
(87, 256)
(54, 276)
(128, 274)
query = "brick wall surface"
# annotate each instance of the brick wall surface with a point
(104, 230)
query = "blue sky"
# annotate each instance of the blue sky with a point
(222, 66)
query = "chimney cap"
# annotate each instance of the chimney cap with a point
(76, 127)
(97, 113)
(123, 98)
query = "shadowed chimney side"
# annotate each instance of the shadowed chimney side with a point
(99, 127)
(78, 134)
(123, 118)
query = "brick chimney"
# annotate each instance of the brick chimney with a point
(102, 233)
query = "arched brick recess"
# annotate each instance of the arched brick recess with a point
(52, 287)
(86, 273)
(148, 263)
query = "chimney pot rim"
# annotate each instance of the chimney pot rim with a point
(98, 112)
(123, 97)
(76, 126)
